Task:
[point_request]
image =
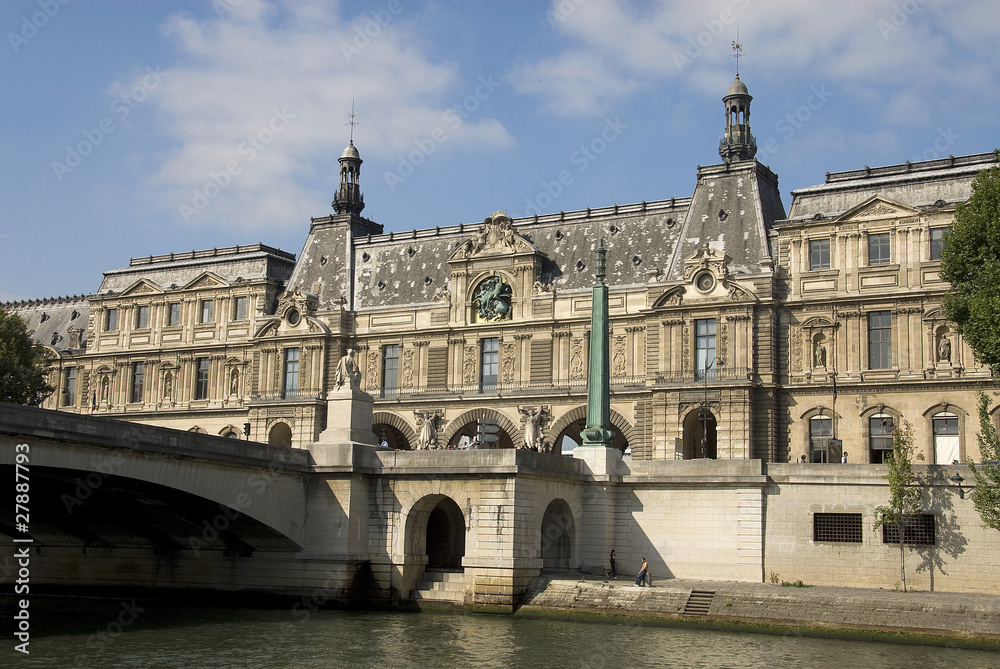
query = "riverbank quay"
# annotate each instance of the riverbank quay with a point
(967, 620)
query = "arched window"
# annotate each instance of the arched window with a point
(946, 438)
(880, 437)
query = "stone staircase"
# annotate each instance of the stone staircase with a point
(441, 585)
(698, 603)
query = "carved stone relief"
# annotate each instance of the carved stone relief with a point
(406, 377)
(576, 366)
(618, 356)
(469, 365)
(507, 363)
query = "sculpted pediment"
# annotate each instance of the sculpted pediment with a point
(496, 236)
(877, 207)
(207, 280)
(141, 287)
(706, 258)
(818, 322)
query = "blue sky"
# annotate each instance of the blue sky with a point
(136, 128)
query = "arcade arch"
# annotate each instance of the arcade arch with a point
(558, 536)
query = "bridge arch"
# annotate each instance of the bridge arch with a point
(435, 531)
(573, 421)
(398, 433)
(557, 539)
(465, 425)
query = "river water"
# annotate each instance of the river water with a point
(132, 634)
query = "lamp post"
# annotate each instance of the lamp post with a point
(704, 408)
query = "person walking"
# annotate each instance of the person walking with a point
(640, 579)
(611, 572)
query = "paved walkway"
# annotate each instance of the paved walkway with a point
(950, 614)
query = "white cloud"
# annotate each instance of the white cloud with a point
(265, 91)
(616, 48)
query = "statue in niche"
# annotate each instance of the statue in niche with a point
(819, 356)
(532, 428)
(168, 385)
(944, 350)
(492, 299)
(234, 383)
(348, 372)
(105, 389)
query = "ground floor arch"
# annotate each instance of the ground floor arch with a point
(435, 531)
(280, 434)
(463, 430)
(398, 435)
(567, 430)
(700, 423)
(558, 534)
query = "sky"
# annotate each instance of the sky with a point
(137, 128)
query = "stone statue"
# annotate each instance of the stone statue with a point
(168, 385)
(348, 372)
(428, 431)
(820, 356)
(944, 350)
(234, 383)
(105, 387)
(532, 428)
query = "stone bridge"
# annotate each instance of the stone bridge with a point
(115, 503)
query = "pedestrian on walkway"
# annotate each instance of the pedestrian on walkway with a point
(640, 579)
(611, 572)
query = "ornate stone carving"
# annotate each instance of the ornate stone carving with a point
(538, 288)
(576, 365)
(618, 356)
(427, 421)
(442, 295)
(406, 373)
(469, 365)
(372, 375)
(795, 347)
(495, 235)
(533, 419)
(507, 363)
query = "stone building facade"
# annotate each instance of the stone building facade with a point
(737, 331)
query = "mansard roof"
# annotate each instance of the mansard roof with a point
(246, 263)
(50, 320)
(925, 185)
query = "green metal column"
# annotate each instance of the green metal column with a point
(598, 431)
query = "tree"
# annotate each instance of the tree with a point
(24, 365)
(986, 494)
(905, 496)
(970, 261)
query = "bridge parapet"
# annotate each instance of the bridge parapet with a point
(96, 431)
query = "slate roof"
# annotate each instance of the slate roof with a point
(50, 319)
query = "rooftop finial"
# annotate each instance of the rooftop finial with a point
(352, 120)
(737, 51)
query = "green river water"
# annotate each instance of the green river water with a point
(102, 632)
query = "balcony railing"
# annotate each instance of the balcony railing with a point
(560, 387)
(713, 375)
(286, 395)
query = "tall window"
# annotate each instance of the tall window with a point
(878, 249)
(69, 387)
(880, 437)
(142, 317)
(489, 364)
(201, 379)
(239, 308)
(290, 379)
(820, 432)
(174, 313)
(946, 439)
(111, 320)
(138, 377)
(704, 347)
(879, 340)
(390, 370)
(819, 254)
(937, 242)
(205, 313)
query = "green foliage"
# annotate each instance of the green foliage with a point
(905, 495)
(970, 261)
(986, 494)
(24, 365)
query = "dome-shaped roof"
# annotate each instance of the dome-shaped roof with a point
(351, 152)
(737, 88)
